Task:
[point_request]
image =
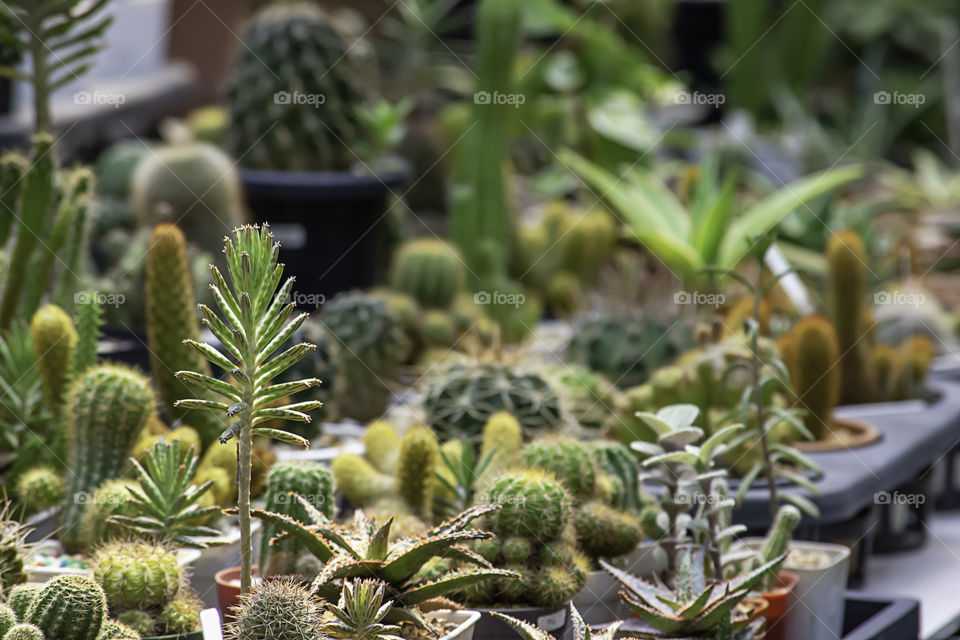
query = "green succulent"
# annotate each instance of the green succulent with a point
(359, 613)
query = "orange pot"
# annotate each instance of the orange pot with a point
(228, 590)
(779, 602)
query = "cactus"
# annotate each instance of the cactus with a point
(14, 548)
(381, 444)
(570, 460)
(277, 609)
(588, 244)
(140, 622)
(564, 294)
(816, 379)
(501, 434)
(7, 619)
(171, 317)
(108, 406)
(24, 631)
(371, 346)
(136, 575)
(194, 185)
(847, 293)
(777, 542)
(461, 400)
(438, 330)
(20, 597)
(429, 270)
(534, 504)
(116, 166)
(109, 499)
(39, 489)
(418, 463)
(114, 630)
(89, 319)
(181, 615)
(555, 585)
(606, 532)
(589, 396)
(55, 343)
(480, 213)
(617, 460)
(914, 358)
(359, 481)
(311, 481)
(360, 612)
(269, 127)
(70, 607)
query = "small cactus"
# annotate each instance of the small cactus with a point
(39, 489)
(181, 615)
(20, 597)
(277, 609)
(109, 499)
(139, 622)
(554, 585)
(359, 481)
(569, 459)
(817, 383)
(113, 630)
(534, 504)
(606, 532)
(7, 619)
(136, 574)
(847, 293)
(778, 540)
(24, 631)
(502, 434)
(430, 270)
(416, 468)
(381, 444)
(54, 342)
(69, 607)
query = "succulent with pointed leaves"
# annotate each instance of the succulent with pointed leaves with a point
(581, 631)
(359, 613)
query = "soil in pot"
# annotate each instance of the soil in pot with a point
(554, 620)
(779, 602)
(845, 433)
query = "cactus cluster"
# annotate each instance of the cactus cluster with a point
(107, 406)
(429, 270)
(371, 345)
(270, 124)
(277, 609)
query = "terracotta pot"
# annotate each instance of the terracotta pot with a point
(228, 590)
(779, 602)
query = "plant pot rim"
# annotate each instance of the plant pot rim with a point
(836, 553)
(470, 618)
(863, 433)
(323, 184)
(225, 577)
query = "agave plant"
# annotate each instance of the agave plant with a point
(581, 631)
(689, 237)
(22, 406)
(360, 612)
(460, 479)
(364, 549)
(697, 608)
(167, 503)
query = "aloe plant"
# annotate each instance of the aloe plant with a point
(707, 231)
(365, 549)
(257, 324)
(581, 631)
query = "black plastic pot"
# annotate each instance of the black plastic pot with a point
(332, 226)
(554, 620)
(867, 617)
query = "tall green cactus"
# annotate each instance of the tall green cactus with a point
(480, 219)
(107, 407)
(89, 319)
(314, 483)
(777, 540)
(817, 377)
(172, 317)
(417, 468)
(55, 344)
(70, 607)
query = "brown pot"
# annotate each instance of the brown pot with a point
(228, 590)
(779, 602)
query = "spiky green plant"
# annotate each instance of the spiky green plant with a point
(365, 548)
(136, 575)
(60, 37)
(7, 619)
(568, 459)
(459, 476)
(182, 614)
(581, 631)
(359, 613)
(277, 609)
(698, 607)
(14, 548)
(55, 343)
(109, 499)
(430, 270)
(69, 607)
(140, 622)
(20, 596)
(618, 461)
(416, 469)
(24, 418)
(24, 631)
(256, 326)
(606, 532)
(114, 630)
(88, 320)
(167, 503)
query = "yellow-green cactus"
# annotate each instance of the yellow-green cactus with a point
(817, 377)
(54, 342)
(417, 468)
(382, 446)
(847, 293)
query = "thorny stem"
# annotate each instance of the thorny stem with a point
(758, 395)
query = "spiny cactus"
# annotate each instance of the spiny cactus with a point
(110, 498)
(70, 607)
(136, 575)
(140, 622)
(437, 329)
(617, 460)
(417, 465)
(502, 435)
(89, 319)
(181, 615)
(564, 294)
(195, 186)
(360, 612)
(55, 343)
(24, 631)
(107, 407)
(314, 483)
(817, 376)
(430, 270)
(19, 598)
(172, 317)
(371, 346)
(458, 476)
(14, 548)
(777, 541)
(277, 609)
(570, 460)
(534, 504)
(271, 123)
(7, 619)
(381, 444)
(462, 398)
(359, 481)
(847, 293)
(606, 532)
(39, 489)
(114, 630)
(589, 396)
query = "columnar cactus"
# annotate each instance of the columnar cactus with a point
(501, 434)
(847, 292)
(430, 270)
(298, 114)
(618, 461)
(136, 575)
(89, 319)
(107, 406)
(54, 342)
(278, 609)
(606, 532)
(817, 377)
(417, 468)
(171, 317)
(311, 481)
(359, 481)
(70, 607)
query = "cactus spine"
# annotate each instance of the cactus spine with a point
(312, 482)
(429, 270)
(55, 343)
(417, 468)
(24, 631)
(69, 607)
(136, 575)
(108, 406)
(817, 383)
(280, 609)
(847, 291)
(172, 317)
(7, 619)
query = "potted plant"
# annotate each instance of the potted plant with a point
(294, 99)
